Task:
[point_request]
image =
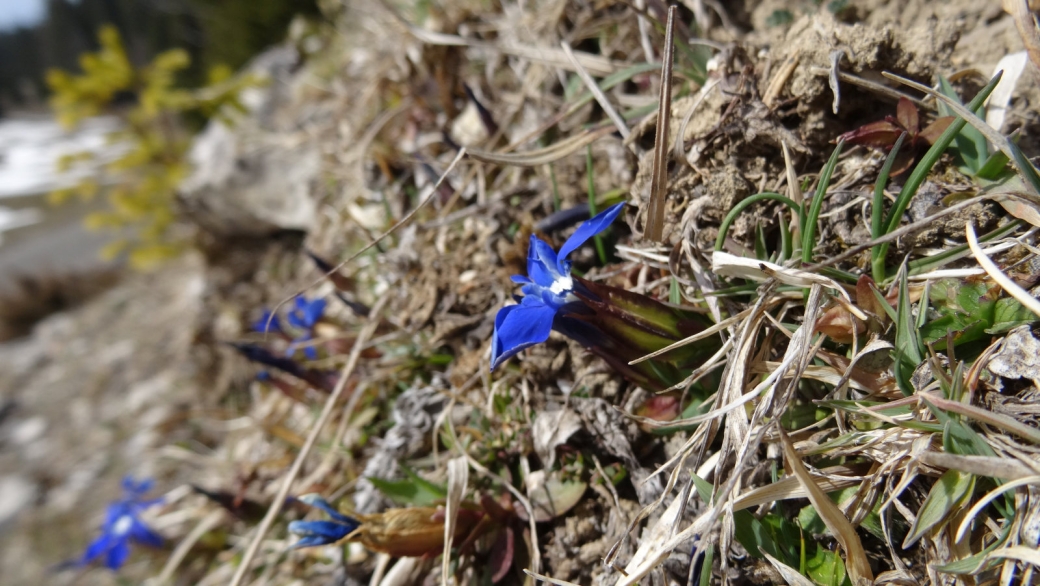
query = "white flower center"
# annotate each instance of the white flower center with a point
(562, 285)
(122, 525)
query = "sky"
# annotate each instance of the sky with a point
(15, 13)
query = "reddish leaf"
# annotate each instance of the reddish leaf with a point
(906, 113)
(660, 408)
(937, 127)
(880, 134)
(839, 325)
(904, 160)
(502, 555)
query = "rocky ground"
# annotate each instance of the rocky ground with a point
(351, 134)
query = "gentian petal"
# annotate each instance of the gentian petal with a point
(144, 535)
(541, 262)
(118, 553)
(268, 322)
(300, 341)
(313, 311)
(519, 279)
(323, 532)
(134, 488)
(317, 502)
(587, 230)
(520, 326)
(310, 541)
(96, 548)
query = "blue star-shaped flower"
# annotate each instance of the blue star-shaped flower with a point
(305, 316)
(547, 287)
(314, 533)
(123, 525)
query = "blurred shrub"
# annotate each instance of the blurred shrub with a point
(140, 185)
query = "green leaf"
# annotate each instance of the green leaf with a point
(977, 562)
(948, 493)
(960, 439)
(971, 311)
(414, 490)
(994, 166)
(811, 522)
(969, 145)
(826, 567)
(1008, 314)
(752, 533)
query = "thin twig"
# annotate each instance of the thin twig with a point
(312, 438)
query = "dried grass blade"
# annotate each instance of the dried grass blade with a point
(458, 478)
(856, 558)
(654, 229)
(995, 419)
(601, 98)
(1026, 25)
(793, 577)
(984, 501)
(548, 579)
(543, 156)
(992, 466)
(789, 488)
(1003, 280)
(1020, 553)
(707, 333)
(731, 265)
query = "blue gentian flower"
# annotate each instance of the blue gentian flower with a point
(268, 322)
(548, 286)
(305, 316)
(307, 313)
(123, 525)
(314, 533)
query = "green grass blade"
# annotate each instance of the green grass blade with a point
(733, 213)
(948, 493)
(610, 81)
(809, 227)
(920, 172)
(923, 265)
(601, 251)
(969, 144)
(877, 210)
(907, 346)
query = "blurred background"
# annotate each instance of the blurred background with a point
(61, 144)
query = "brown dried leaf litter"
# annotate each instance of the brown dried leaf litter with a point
(377, 105)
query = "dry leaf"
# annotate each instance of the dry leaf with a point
(856, 558)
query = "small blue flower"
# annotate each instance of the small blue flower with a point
(314, 533)
(307, 313)
(305, 316)
(268, 322)
(123, 525)
(548, 286)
